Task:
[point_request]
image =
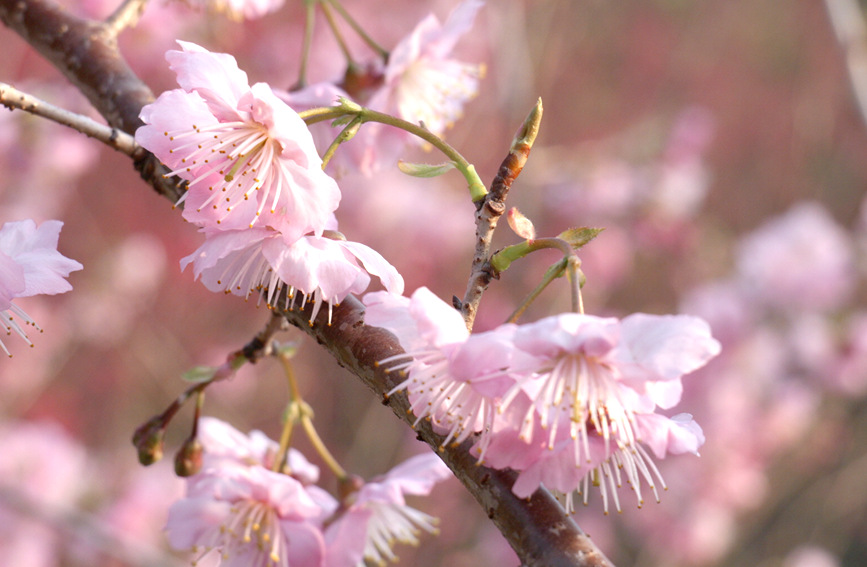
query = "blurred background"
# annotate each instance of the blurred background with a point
(721, 145)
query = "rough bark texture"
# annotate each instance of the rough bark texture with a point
(86, 52)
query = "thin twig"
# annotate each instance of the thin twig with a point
(847, 20)
(126, 16)
(492, 208)
(14, 99)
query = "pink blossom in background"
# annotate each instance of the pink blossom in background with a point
(802, 259)
(30, 265)
(238, 10)
(380, 512)
(44, 470)
(249, 158)
(422, 81)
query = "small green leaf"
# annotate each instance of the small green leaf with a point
(290, 349)
(424, 169)
(199, 374)
(578, 237)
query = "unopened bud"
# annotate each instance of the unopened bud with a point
(188, 460)
(349, 486)
(149, 439)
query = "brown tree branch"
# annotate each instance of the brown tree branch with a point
(12, 98)
(86, 52)
(492, 208)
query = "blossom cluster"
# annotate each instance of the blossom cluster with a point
(568, 401)
(420, 82)
(30, 265)
(256, 188)
(241, 509)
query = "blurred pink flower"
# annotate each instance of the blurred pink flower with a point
(379, 513)
(423, 83)
(43, 472)
(801, 260)
(30, 265)
(249, 158)
(262, 260)
(238, 10)
(251, 515)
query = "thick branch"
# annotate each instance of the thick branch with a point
(86, 52)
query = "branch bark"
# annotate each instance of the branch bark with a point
(86, 53)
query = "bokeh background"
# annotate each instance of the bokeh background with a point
(721, 145)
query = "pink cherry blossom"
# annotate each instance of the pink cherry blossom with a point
(30, 265)
(568, 400)
(453, 377)
(423, 83)
(238, 10)
(251, 516)
(598, 373)
(379, 511)
(262, 260)
(248, 157)
(222, 441)
(802, 259)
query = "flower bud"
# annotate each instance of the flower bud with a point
(188, 460)
(149, 439)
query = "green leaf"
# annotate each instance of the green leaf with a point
(578, 237)
(199, 374)
(424, 169)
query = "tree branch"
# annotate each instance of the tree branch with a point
(86, 52)
(12, 98)
(492, 208)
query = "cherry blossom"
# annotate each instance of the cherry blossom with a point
(248, 157)
(422, 82)
(221, 442)
(264, 261)
(802, 259)
(251, 516)
(30, 265)
(378, 511)
(238, 10)
(453, 377)
(568, 401)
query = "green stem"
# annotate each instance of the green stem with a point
(326, 10)
(309, 23)
(300, 411)
(358, 29)
(320, 448)
(362, 114)
(282, 456)
(553, 273)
